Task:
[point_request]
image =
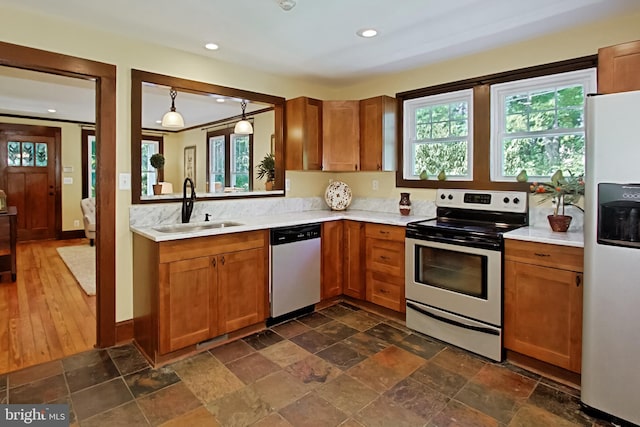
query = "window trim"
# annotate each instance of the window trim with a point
(227, 133)
(482, 122)
(587, 77)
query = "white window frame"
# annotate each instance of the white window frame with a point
(499, 92)
(410, 135)
(91, 139)
(212, 161)
(150, 170)
(232, 167)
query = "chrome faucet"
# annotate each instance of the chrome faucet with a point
(187, 204)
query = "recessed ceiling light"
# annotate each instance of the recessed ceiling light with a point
(211, 46)
(51, 110)
(367, 32)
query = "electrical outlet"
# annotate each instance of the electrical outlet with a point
(374, 185)
(76, 223)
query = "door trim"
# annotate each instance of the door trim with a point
(105, 77)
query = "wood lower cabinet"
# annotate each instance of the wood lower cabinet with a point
(191, 290)
(340, 135)
(619, 68)
(378, 134)
(303, 134)
(543, 302)
(332, 259)
(384, 260)
(354, 256)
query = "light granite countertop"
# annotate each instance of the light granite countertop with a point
(545, 235)
(251, 223)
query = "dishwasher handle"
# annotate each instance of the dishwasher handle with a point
(298, 233)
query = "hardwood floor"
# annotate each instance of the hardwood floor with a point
(45, 315)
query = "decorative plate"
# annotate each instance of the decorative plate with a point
(338, 196)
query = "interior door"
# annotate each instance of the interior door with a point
(28, 177)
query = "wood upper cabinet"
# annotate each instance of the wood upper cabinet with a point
(378, 134)
(354, 256)
(341, 135)
(619, 68)
(303, 134)
(332, 259)
(384, 260)
(543, 302)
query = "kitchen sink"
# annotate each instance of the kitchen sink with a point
(186, 228)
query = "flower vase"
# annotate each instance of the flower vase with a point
(559, 222)
(405, 204)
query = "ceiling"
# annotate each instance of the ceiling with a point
(314, 40)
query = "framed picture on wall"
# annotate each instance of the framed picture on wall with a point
(190, 162)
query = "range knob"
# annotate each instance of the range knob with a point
(450, 197)
(442, 196)
(516, 200)
(506, 200)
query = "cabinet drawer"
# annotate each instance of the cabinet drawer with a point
(385, 232)
(385, 290)
(385, 256)
(544, 254)
(175, 250)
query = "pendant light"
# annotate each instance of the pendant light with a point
(243, 127)
(172, 119)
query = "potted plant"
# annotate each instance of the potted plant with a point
(157, 161)
(267, 168)
(564, 191)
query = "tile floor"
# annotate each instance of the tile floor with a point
(338, 366)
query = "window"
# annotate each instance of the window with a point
(229, 160)
(538, 125)
(150, 146)
(89, 152)
(29, 154)
(439, 136)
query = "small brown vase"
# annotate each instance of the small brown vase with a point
(559, 222)
(405, 204)
(157, 189)
(268, 186)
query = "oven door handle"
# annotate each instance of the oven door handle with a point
(452, 322)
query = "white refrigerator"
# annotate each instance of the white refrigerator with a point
(611, 304)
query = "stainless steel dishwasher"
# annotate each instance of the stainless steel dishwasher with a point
(295, 269)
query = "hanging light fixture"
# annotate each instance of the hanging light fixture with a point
(243, 127)
(172, 119)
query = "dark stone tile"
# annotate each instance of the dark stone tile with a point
(349, 306)
(359, 320)
(458, 361)
(365, 344)
(252, 367)
(488, 401)
(341, 356)
(41, 391)
(66, 400)
(336, 330)
(387, 333)
(521, 371)
(3, 382)
(232, 351)
(262, 339)
(336, 311)
(505, 381)
(149, 380)
(105, 396)
(313, 320)
(313, 341)
(347, 394)
(313, 371)
(274, 419)
(420, 346)
(34, 373)
(456, 414)
(127, 359)
(128, 415)
(82, 360)
(290, 329)
(199, 417)
(285, 353)
(559, 403)
(386, 368)
(279, 389)
(240, 408)
(168, 403)
(562, 387)
(440, 379)
(417, 398)
(383, 412)
(324, 414)
(532, 416)
(101, 370)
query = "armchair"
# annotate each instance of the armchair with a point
(88, 206)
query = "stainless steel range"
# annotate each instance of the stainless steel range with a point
(454, 268)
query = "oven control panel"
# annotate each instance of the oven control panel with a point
(500, 201)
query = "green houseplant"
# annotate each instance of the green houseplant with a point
(157, 161)
(267, 168)
(564, 191)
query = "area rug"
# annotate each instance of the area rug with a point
(81, 261)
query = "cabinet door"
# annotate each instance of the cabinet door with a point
(340, 135)
(385, 268)
(543, 314)
(353, 285)
(303, 134)
(619, 68)
(378, 134)
(332, 258)
(242, 287)
(187, 303)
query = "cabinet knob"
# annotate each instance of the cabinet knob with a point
(540, 254)
(384, 258)
(222, 260)
(213, 262)
(578, 281)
